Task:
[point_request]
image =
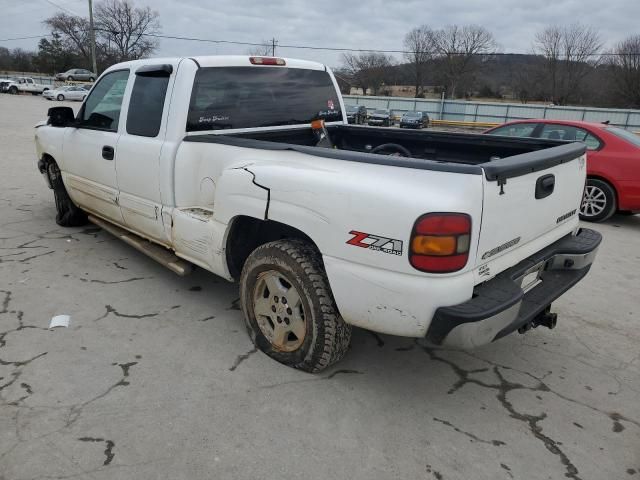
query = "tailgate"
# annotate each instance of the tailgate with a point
(529, 201)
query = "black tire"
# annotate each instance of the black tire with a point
(67, 213)
(13, 90)
(69, 78)
(91, 79)
(599, 201)
(60, 97)
(327, 336)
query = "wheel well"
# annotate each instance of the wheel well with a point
(613, 187)
(248, 233)
(44, 162)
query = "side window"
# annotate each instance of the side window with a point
(102, 108)
(592, 142)
(146, 105)
(569, 133)
(515, 130)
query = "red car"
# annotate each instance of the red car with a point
(613, 161)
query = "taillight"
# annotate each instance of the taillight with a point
(440, 242)
(267, 61)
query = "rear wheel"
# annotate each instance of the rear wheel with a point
(13, 90)
(598, 202)
(67, 214)
(70, 79)
(288, 307)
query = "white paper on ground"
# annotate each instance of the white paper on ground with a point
(60, 321)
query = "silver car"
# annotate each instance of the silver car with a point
(70, 92)
(76, 74)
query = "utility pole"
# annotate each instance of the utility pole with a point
(274, 42)
(93, 38)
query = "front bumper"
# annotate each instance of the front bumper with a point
(504, 304)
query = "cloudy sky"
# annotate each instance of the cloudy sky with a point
(375, 24)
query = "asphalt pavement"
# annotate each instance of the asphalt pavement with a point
(155, 377)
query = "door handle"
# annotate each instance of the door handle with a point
(108, 152)
(545, 186)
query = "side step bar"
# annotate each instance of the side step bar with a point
(158, 253)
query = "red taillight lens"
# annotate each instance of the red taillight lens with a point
(267, 61)
(440, 242)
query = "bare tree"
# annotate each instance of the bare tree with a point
(264, 49)
(73, 32)
(570, 56)
(368, 70)
(126, 32)
(419, 44)
(459, 48)
(625, 63)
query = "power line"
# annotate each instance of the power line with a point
(331, 49)
(23, 38)
(62, 8)
(361, 50)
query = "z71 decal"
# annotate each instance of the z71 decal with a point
(375, 242)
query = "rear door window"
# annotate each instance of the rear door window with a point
(515, 130)
(249, 97)
(569, 133)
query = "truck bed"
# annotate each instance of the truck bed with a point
(496, 157)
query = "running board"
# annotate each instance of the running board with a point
(159, 254)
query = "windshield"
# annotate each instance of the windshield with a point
(250, 97)
(625, 135)
(413, 115)
(381, 112)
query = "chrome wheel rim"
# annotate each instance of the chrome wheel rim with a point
(594, 201)
(279, 311)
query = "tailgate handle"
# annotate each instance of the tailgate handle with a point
(545, 185)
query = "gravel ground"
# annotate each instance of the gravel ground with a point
(155, 376)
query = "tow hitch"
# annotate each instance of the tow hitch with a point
(544, 318)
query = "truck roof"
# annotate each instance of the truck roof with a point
(222, 61)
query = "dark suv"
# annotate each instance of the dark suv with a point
(414, 120)
(356, 114)
(380, 117)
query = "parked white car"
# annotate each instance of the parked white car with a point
(246, 167)
(69, 92)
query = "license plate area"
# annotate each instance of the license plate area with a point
(532, 277)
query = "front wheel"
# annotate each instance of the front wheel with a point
(69, 79)
(67, 214)
(598, 202)
(288, 306)
(13, 90)
(60, 97)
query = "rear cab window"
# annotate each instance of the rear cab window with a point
(252, 97)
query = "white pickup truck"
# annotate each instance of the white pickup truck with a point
(25, 85)
(246, 167)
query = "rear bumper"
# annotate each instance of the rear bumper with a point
(500, 306)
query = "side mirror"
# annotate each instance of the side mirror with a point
(61, 117)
